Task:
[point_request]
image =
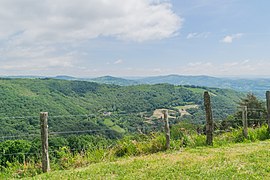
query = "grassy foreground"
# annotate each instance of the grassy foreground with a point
(237, 161)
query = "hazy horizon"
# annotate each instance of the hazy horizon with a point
(140, 77)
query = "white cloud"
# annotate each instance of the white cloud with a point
(157, 70)
(198, 35)
(67, 20)
(33, 65)
(119, 61)
(241, 67)
(41, 34)
(28, 59)
(230, 38)
(227, 39)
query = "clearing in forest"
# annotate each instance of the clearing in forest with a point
(183, 109)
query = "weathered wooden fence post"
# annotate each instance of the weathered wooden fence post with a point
(44, 140)
(167, 129)
(209, 119)
(268, 109)
(245, 123)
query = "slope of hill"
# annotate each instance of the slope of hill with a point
(182, 80)
(238, 161)
(257, 86)
(115, 107)
(114, 80)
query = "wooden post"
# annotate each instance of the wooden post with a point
(209, 119)
(244, 119)
(44, 140)
(167, 129)
(268, 109)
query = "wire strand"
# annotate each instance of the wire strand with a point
(11, 154)
(14, 136)
(18, 117)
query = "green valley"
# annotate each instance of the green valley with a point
(120, 108)
(91, 123)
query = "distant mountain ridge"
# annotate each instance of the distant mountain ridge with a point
(181, 80)
(257, 86)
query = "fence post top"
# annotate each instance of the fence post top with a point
(44, 113)
(164, 111)
(244, 107)
(206, 94)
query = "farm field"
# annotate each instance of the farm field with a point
(237, 161)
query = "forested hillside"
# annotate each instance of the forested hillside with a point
(257, 86)
(119, 108)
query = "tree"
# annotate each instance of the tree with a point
(255, 107)
(14, 151)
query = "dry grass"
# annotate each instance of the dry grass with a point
(158, 113)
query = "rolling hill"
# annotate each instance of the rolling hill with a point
(81, 105)
(114, 80)
(258, 86)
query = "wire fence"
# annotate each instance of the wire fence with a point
(143, 128)
(91, 116)
(19, 136)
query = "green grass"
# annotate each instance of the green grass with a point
(108, 122)
(118, 129)
(235, 161)
(197, 90)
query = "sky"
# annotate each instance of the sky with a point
(90, 38)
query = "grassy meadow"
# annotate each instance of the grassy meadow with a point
(235, 161)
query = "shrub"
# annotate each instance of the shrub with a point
(14, 151)
(258, 133)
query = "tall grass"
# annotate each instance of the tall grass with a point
(65, 158)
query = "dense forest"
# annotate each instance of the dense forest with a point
(258, 86)
(80, 105)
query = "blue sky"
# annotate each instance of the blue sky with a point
(87, 38)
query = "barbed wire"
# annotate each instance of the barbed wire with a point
(238, 109)
(23, 135)
(54, 116)
(65, 116)
(71, 115)
(134, 128)
(118, 115)
(240, 120)
(18, 117)
(80, 131)
(12, 154)
(92, 147)
(59, 150)
(98, 130)
(76, 132)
